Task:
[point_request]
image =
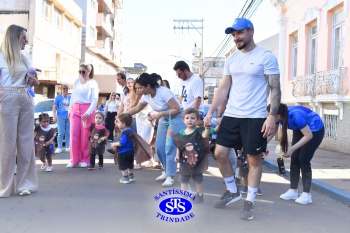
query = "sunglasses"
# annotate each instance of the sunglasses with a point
(82, 72)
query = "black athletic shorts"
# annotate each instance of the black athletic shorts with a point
(126, 160)
(243, 133)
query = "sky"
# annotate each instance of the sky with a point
(149, 36)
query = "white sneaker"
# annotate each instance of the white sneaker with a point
(162, 177)
(289, 195)
(168, 182)
(43, 166)
(49, 169)
(70, 165)
(58, 150)
(305, 198)
(83, 165)
(67, 149)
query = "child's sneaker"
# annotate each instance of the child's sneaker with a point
(67, 149)
(124, 180)
(244, 190)
(259, 192)
(43, 166)
(199, 198)
(49, 169)
(91, 168)
(131, 177)
(100, 166)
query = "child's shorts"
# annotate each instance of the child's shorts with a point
(126, 160)
(198, 178)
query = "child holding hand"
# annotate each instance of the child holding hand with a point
(43, 140)
(192, 148)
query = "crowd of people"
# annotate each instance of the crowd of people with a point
(148, 113)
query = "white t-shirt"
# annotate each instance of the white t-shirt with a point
(191, 89)
(85, 94)
(112, 106)
(160, 100)
(249, 89)
(6, 80)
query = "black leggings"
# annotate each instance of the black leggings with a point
(110, 124)
(301, 158)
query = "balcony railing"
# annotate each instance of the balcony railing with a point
(326, 82)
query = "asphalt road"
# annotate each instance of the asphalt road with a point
(77, 200)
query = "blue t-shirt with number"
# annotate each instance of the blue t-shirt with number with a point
(300, 116)
(62, 103)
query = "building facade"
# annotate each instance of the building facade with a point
(54, 35)
(314, 60)
(101, 43)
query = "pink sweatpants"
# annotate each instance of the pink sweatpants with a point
(79, 135)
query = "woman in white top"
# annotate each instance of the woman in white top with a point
(164, 103)
(16, 116)
(111, 110)
(82, 113)
(128, 99)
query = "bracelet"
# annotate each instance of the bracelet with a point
(218, 117)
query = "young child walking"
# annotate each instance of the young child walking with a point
(44, 136)
(97, 140)
(125, 148)
(192, 148)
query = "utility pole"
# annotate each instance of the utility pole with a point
(191, 25)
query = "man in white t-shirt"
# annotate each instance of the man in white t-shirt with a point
(121, 80)
(191, 87)
(251, 73)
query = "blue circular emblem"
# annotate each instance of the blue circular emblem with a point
(175, 206)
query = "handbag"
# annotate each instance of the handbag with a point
(169, 134)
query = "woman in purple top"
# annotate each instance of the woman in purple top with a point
(308, 132)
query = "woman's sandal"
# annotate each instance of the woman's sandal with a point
(24, 192)
(150, 164)
(137, 167)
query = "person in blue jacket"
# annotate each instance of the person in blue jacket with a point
(308, 132)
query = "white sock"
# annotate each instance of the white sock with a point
(251, 194)
(230, 184)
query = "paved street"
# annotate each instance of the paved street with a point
(78, 200)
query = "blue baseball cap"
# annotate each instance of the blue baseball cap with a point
(239, 24)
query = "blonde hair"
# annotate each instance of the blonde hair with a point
(88, 67)
(11, 48)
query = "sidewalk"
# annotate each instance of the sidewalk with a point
(330, 171)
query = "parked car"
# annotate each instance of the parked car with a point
(44, 106)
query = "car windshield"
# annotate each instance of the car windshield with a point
(44, 106)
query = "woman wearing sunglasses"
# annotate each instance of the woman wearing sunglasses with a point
(16, 116)
(81, 113)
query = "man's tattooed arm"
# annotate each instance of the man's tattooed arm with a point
(275, 94)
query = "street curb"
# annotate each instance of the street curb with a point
(323, 187)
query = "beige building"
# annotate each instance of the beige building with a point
(101, 40)
(54, 33)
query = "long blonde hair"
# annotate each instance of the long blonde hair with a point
(11, 48)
